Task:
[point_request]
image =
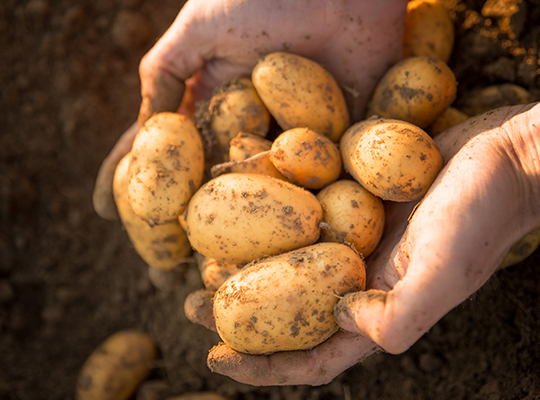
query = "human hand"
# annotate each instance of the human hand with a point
(213, 41)
(485, 199)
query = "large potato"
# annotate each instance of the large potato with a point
(355, 214)
(416, 90)
(429, 31)
(161, 246)
(238, 218)
(287, 302)
(298, 92)
(306, 158)
(393, 159)
(167, 165)
(117, 367)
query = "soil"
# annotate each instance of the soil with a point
(69, 279)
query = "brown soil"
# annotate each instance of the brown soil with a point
(69, 279)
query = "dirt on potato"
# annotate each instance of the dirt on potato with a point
(69, 279)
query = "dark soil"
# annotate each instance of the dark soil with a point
(69, 279)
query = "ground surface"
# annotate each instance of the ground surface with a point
(69, 279)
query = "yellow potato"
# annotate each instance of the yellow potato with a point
(429, 31)
(161, 246)
(393, 159)
(214, 273)
(117, 367)
(287, 302)
(306, 158)
(522, 249)
(486, 99)
(298, 92)
(167, 165)
(447, 119)
(416, 90)
(238, 218)
(246, 145)
(355, 213)
(234, 107)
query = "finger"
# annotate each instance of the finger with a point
(102, 197)
(198, 308)
(317, 366)
(452, 245)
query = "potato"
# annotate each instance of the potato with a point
(393, 159)
(167, 165)
(306, 158)
(429, 31)
(117, 367)
(356, 214)
(214, 273)
(522, 249)
(234, 107)
(298, 92)
(287, 302)
(486, 99)
(447, 119)
(246, 145)
(161, 246)
(416, 90)
(198, 396)
(237, 218)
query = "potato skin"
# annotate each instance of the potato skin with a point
(415, 90)
(393, 159)
(238, 218)
(522, 249)
(167, 166)
(286, 302)
(161, 246)
(356, 214)
(488, 98)
(116, 368)
(308, 97)
(429, 31)
(306, 158)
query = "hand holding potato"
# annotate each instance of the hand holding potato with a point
(213, 41)
(423, 269)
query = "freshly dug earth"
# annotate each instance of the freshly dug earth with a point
(68, 279)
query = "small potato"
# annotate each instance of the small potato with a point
(161, 246)
(447, 119)
(393, 159)
(287, 302)
(429, 31)
(522, 249)
(117, 367)
(416, 90)
(495, 96)
(214, 273)
(237, 218)
(167, 165)
(355, 213)
(298, 92)
(234, 107)
(306, 158)
(246, 145)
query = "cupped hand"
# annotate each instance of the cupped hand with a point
(432, 256)
(213, 41)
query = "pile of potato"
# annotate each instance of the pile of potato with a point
(279, 194)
